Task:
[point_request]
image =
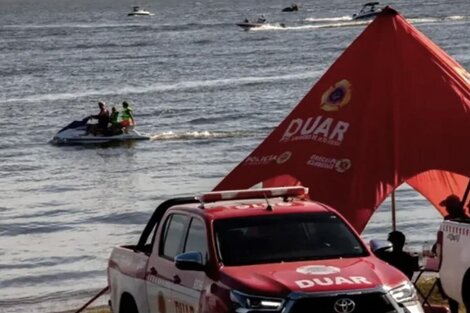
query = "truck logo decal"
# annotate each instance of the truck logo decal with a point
(183, 308)
(344, 305)
(318, 270)
(453, 237)
(329, 281)
(198, 284)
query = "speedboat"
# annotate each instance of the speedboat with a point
(136, 11)
(368, 10)
(76, 133)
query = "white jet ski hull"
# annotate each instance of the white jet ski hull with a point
(75, 133)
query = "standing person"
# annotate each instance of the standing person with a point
(455, 209)
(103, 120)
(127, 116)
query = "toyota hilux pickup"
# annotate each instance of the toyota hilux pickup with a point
(454, 250)
(252, 251)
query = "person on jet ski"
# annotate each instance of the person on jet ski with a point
(127, 116)
(113, 119)
(115, 126)
(103, 120)
(261, 19)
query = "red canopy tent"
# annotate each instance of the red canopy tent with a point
(393, 108)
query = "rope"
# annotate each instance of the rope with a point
(99, 294)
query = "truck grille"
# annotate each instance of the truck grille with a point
(375, 302)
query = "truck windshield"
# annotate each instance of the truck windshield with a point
(285, 238)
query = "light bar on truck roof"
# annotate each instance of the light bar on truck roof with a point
(227, 195)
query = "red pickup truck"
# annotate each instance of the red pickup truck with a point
(253, 251)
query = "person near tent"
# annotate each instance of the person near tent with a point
(398, 258)
(454, 207)
(103, 120)
(455, 210)
(127, 116)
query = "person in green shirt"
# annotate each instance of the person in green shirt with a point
(113, 119)
(127, 117)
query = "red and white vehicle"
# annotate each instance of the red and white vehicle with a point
(247, 251)
(454, 250)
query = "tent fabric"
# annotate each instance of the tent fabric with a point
(393, 108)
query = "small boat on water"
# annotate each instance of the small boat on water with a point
(76, 133)
(292, 8)
(137, 11)
(368, 10)
(247, 25)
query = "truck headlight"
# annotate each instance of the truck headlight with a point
(405, 295)
(244, 302)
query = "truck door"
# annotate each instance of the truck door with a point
(189, 290)
(161, 280)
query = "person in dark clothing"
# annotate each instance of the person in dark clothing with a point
(398, 258)
(454, 207)
(103, 120)
(455, 210)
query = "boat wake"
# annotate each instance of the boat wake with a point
(329, 19)
(311, 26)
(192, 135)
(347, 21)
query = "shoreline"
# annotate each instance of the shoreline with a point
(94, 309)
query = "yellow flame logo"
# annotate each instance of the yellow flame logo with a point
(336, 96)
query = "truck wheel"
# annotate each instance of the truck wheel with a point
(128, 304)
(466, 290)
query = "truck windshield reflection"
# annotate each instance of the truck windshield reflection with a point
(285, 238)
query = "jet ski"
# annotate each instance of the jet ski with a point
(247, 25)
(76, 133)
(293, 8)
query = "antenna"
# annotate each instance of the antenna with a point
(269, 207)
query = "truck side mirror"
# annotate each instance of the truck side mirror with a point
(190, 261)
(378, 246)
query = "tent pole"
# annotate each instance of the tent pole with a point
(394, 218)
(465, 195)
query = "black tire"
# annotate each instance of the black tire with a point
(466, 290)
(127, 304)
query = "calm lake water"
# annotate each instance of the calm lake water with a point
(206, 90)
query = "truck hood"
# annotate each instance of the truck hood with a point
(313, 276)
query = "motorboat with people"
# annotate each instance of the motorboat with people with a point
(368, 10)
(261, 21)
(292, 8)
(137, 11)
(78, 132)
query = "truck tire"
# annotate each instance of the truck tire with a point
(127, 304)
(466, 290)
